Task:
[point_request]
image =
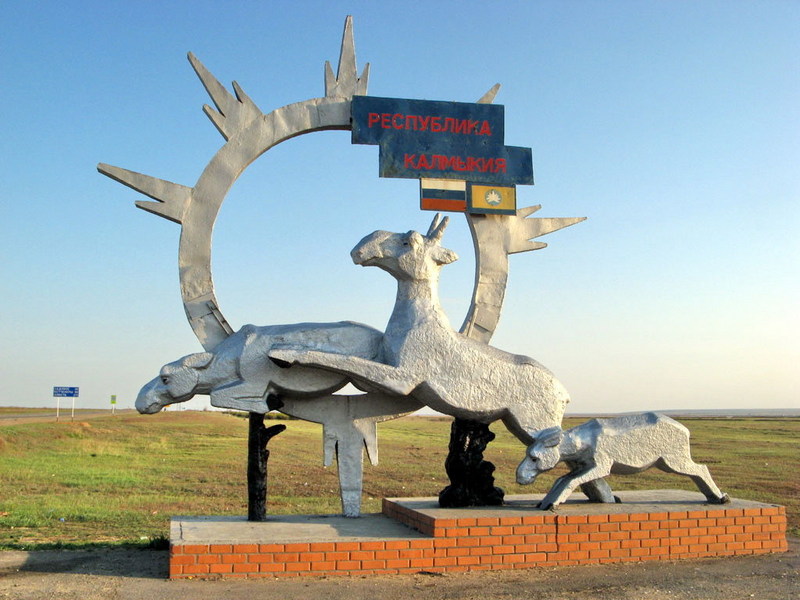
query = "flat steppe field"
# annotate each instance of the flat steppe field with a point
(118, 479)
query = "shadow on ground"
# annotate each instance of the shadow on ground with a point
(109, 562)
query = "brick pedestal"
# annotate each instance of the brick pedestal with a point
(414, 535)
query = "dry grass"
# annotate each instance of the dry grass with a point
(119, 479)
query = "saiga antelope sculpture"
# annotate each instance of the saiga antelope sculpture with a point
(623, 445)
(423, 357)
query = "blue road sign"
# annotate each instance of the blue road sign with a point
(65, 392)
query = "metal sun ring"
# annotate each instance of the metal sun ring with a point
(244, 147)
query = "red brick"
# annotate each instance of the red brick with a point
(597, 519)
(298, 566)
(617, 517)
(350, 565)
(346, 546)
(323, 546)
(533, 520)
(195, 569)
(397, 544)
(234, 558)
(524, 529)
(399, 563)
(287, 557)
(218, 568)
(194, 549)
(209, 559)
(182, 559)
(245, 568)
(421, 563)
(513, 539)
(491, 540)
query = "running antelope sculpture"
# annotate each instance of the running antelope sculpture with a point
(623, 445)
(421, 356)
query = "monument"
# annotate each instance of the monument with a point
(457, 152)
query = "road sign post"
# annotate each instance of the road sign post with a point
(113, 403)
(65, 392)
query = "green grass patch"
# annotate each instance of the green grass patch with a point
(119, 479)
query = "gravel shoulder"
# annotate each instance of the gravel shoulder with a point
(110, 574)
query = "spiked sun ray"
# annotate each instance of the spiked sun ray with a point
(522, 230)
(171, 198)
(346, 83)
(233, 113)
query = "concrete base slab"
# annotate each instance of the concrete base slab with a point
(287, 529)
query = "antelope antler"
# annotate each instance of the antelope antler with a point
(436, 230)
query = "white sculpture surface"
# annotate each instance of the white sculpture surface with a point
(620, 445)
(238, 374)
(424, 358)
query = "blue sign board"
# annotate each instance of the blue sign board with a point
(440, 140)
(65, 392)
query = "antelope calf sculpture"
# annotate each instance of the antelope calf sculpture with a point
(423, 357)
(623, 445)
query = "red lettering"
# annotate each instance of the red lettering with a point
(489, 165)
(424, 123)
(408, 161)
(500, 165)
(395, 119)
(409, 120)
(461, 126)
(472, 163)
(485, 129)
(436, 124)
(423, 163)
(372, 119)
(385, 117)
(472, 126)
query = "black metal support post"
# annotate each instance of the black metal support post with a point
(471, 479)
(257, 457)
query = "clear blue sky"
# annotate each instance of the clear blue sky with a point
(672, 126)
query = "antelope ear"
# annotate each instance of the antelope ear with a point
(550, 437)
(443, 256)
(415, 239)
(198, 361)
